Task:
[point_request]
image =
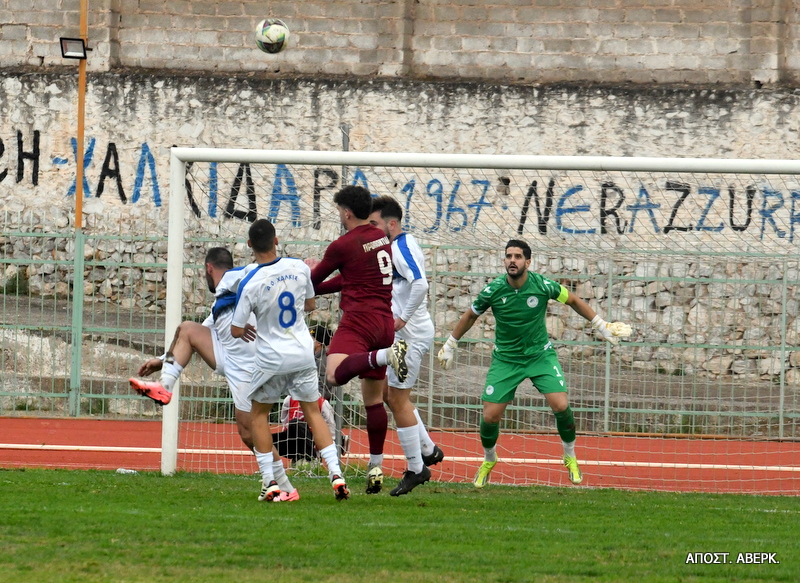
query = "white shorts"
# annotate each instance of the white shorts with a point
(416, 351)
(238, 380)
(302, 385)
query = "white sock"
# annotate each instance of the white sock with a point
(169, 374)
(490, 454)
(425, 441)
(569, 448)
(409, 441)
(381, 358)
(280, 476)
(265, 465)
(376, 460)
(331, 458)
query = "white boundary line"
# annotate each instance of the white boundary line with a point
(521, 461)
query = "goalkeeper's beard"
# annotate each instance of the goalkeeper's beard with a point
(520, 272)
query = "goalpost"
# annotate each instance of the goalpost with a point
(699, 256)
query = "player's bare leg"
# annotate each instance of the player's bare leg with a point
(190, 338)
(326, 447)
(244, 423)
(565, 423)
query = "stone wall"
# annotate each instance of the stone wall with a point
(544, 41)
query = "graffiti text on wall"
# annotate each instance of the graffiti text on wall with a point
(558, 204)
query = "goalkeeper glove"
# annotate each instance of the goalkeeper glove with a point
(447, 353)
(611, 331)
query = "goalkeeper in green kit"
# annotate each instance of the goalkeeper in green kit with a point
(523, 350)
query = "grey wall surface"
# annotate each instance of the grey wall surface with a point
(512, 41)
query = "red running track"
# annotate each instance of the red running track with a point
(641, 463)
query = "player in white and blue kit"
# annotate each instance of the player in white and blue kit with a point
(279, 292)
(412, 323)
(227, 356)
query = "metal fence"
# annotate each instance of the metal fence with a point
(716, 350)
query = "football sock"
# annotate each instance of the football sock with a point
(381, 356)
(409, 441)
(354, 365)
(169, 375)
(490, 454)
(565, 423)
(425, 441)
(331, 458)
(489, 434)
(375, 459)
(280, 476)
(569, 448)
(265, 465)
(377, 424)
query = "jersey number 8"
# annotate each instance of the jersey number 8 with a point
(286, 304)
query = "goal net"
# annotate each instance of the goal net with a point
(698, 256)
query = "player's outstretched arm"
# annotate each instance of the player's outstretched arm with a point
(329, 286)
(322, 269)
(447, 354)
(609, 331)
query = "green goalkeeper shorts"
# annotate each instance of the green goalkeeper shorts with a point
(504, 377)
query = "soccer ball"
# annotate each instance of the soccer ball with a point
(272, 35)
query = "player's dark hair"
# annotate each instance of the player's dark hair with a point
(220, 258)
(262, 236)
(526, 249)
(357, 199)
(389, 207)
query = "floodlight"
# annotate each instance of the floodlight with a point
(73, 48)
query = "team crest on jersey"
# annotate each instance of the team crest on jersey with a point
(533, 301)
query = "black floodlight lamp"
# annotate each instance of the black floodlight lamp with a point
(73, 48)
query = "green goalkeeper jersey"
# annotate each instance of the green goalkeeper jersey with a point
(519, 314)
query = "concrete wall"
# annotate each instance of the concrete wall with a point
(544, 41)
(133, 119)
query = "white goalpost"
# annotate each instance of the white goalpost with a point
(700, 256)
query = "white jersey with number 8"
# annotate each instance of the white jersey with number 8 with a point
(276, 293)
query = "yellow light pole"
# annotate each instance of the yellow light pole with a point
(75, 48)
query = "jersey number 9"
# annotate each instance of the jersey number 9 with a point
(385, 265)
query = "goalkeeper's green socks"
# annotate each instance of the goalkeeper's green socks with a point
(565, 423)
(489, 434)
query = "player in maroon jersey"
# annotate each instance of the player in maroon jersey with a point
(362, 344)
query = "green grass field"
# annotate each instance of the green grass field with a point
(58, 525)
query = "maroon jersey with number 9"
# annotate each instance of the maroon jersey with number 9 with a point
(363, 257)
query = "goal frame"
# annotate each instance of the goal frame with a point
(180, 156)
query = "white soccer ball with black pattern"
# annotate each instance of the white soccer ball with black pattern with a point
(272, 35)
